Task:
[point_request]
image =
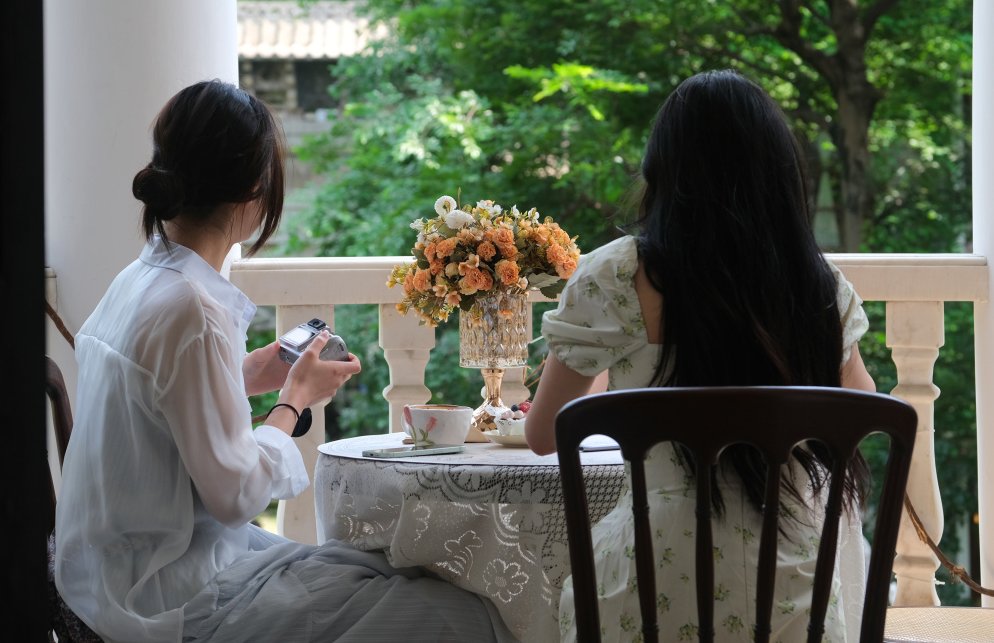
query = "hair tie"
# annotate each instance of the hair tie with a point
(302, 422)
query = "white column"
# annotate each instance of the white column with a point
(110, 65)
(983, 244)
(914, 334)
(406, 348)
(295, 518)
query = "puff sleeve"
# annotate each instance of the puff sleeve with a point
(850, 305)
(598, 321)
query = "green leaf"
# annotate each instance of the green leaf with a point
(553, 291)
(542, 280)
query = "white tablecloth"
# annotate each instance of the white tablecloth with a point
(489, 520)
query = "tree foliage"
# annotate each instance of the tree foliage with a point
(547, 103)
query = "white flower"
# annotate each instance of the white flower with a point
(457, 219)
(418, 224)
(444, 205)
(514, 211)
(491, 207)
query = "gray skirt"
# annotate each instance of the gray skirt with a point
(333, 592)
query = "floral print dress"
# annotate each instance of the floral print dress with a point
(598, 326)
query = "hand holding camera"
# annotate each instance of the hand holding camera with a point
(320, 364)
(296, 341)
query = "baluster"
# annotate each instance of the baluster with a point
(295, 517)
(915, 331)
(406, 347)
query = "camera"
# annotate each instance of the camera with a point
(296, 341)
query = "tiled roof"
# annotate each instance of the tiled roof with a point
(286, 30)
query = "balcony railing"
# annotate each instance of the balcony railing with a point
(914, 287)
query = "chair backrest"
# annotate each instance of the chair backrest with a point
(55, 388)
(705, 421)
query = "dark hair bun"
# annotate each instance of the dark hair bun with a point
(160, 190)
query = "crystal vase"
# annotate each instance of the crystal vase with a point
(493, 335)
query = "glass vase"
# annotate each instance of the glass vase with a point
(493, 335)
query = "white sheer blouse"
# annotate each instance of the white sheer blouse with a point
(164, 471)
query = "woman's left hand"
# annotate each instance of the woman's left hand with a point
(263, 370)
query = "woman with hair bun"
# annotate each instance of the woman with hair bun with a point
(723, 285)
(164, 472)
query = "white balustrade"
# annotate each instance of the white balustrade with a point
(296, 519)
(914, 287)
(914, 335)
(406, 348)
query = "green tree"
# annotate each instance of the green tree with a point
(547, 103)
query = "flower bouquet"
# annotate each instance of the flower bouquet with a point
(465, 253)
(482, 260)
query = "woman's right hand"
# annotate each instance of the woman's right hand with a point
(312, 380)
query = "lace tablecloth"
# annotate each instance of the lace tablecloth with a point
(489, 520)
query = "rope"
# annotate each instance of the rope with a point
(532, 378)
(61, 325)
(957, 570)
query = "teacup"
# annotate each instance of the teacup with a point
(429, 424)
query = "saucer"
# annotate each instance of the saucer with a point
(506, 440)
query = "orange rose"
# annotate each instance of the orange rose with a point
(479, 279)
(486, 251)
(430, 251)
(422, 280)
(453, 298)
(472, 263)
(504, 235)
(566, 268)
(507, 272)
(436, 266)
(541, 234)
(467, 286)
(507, 250)
(485, 280)
(471, 281)
(446, 247)
(409, 282)
(555, 254)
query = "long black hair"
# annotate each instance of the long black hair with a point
(213, 143)
(748, 298)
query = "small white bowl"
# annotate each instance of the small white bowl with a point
(510, 426)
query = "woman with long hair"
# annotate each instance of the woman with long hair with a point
(164, 472)
(724, 285)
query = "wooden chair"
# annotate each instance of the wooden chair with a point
(55, 388)
(64, 623)
(706, 420)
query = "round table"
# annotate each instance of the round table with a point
(489, 520)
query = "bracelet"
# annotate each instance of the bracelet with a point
(296, 413)
(302, 421)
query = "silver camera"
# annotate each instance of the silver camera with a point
(296, 341)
